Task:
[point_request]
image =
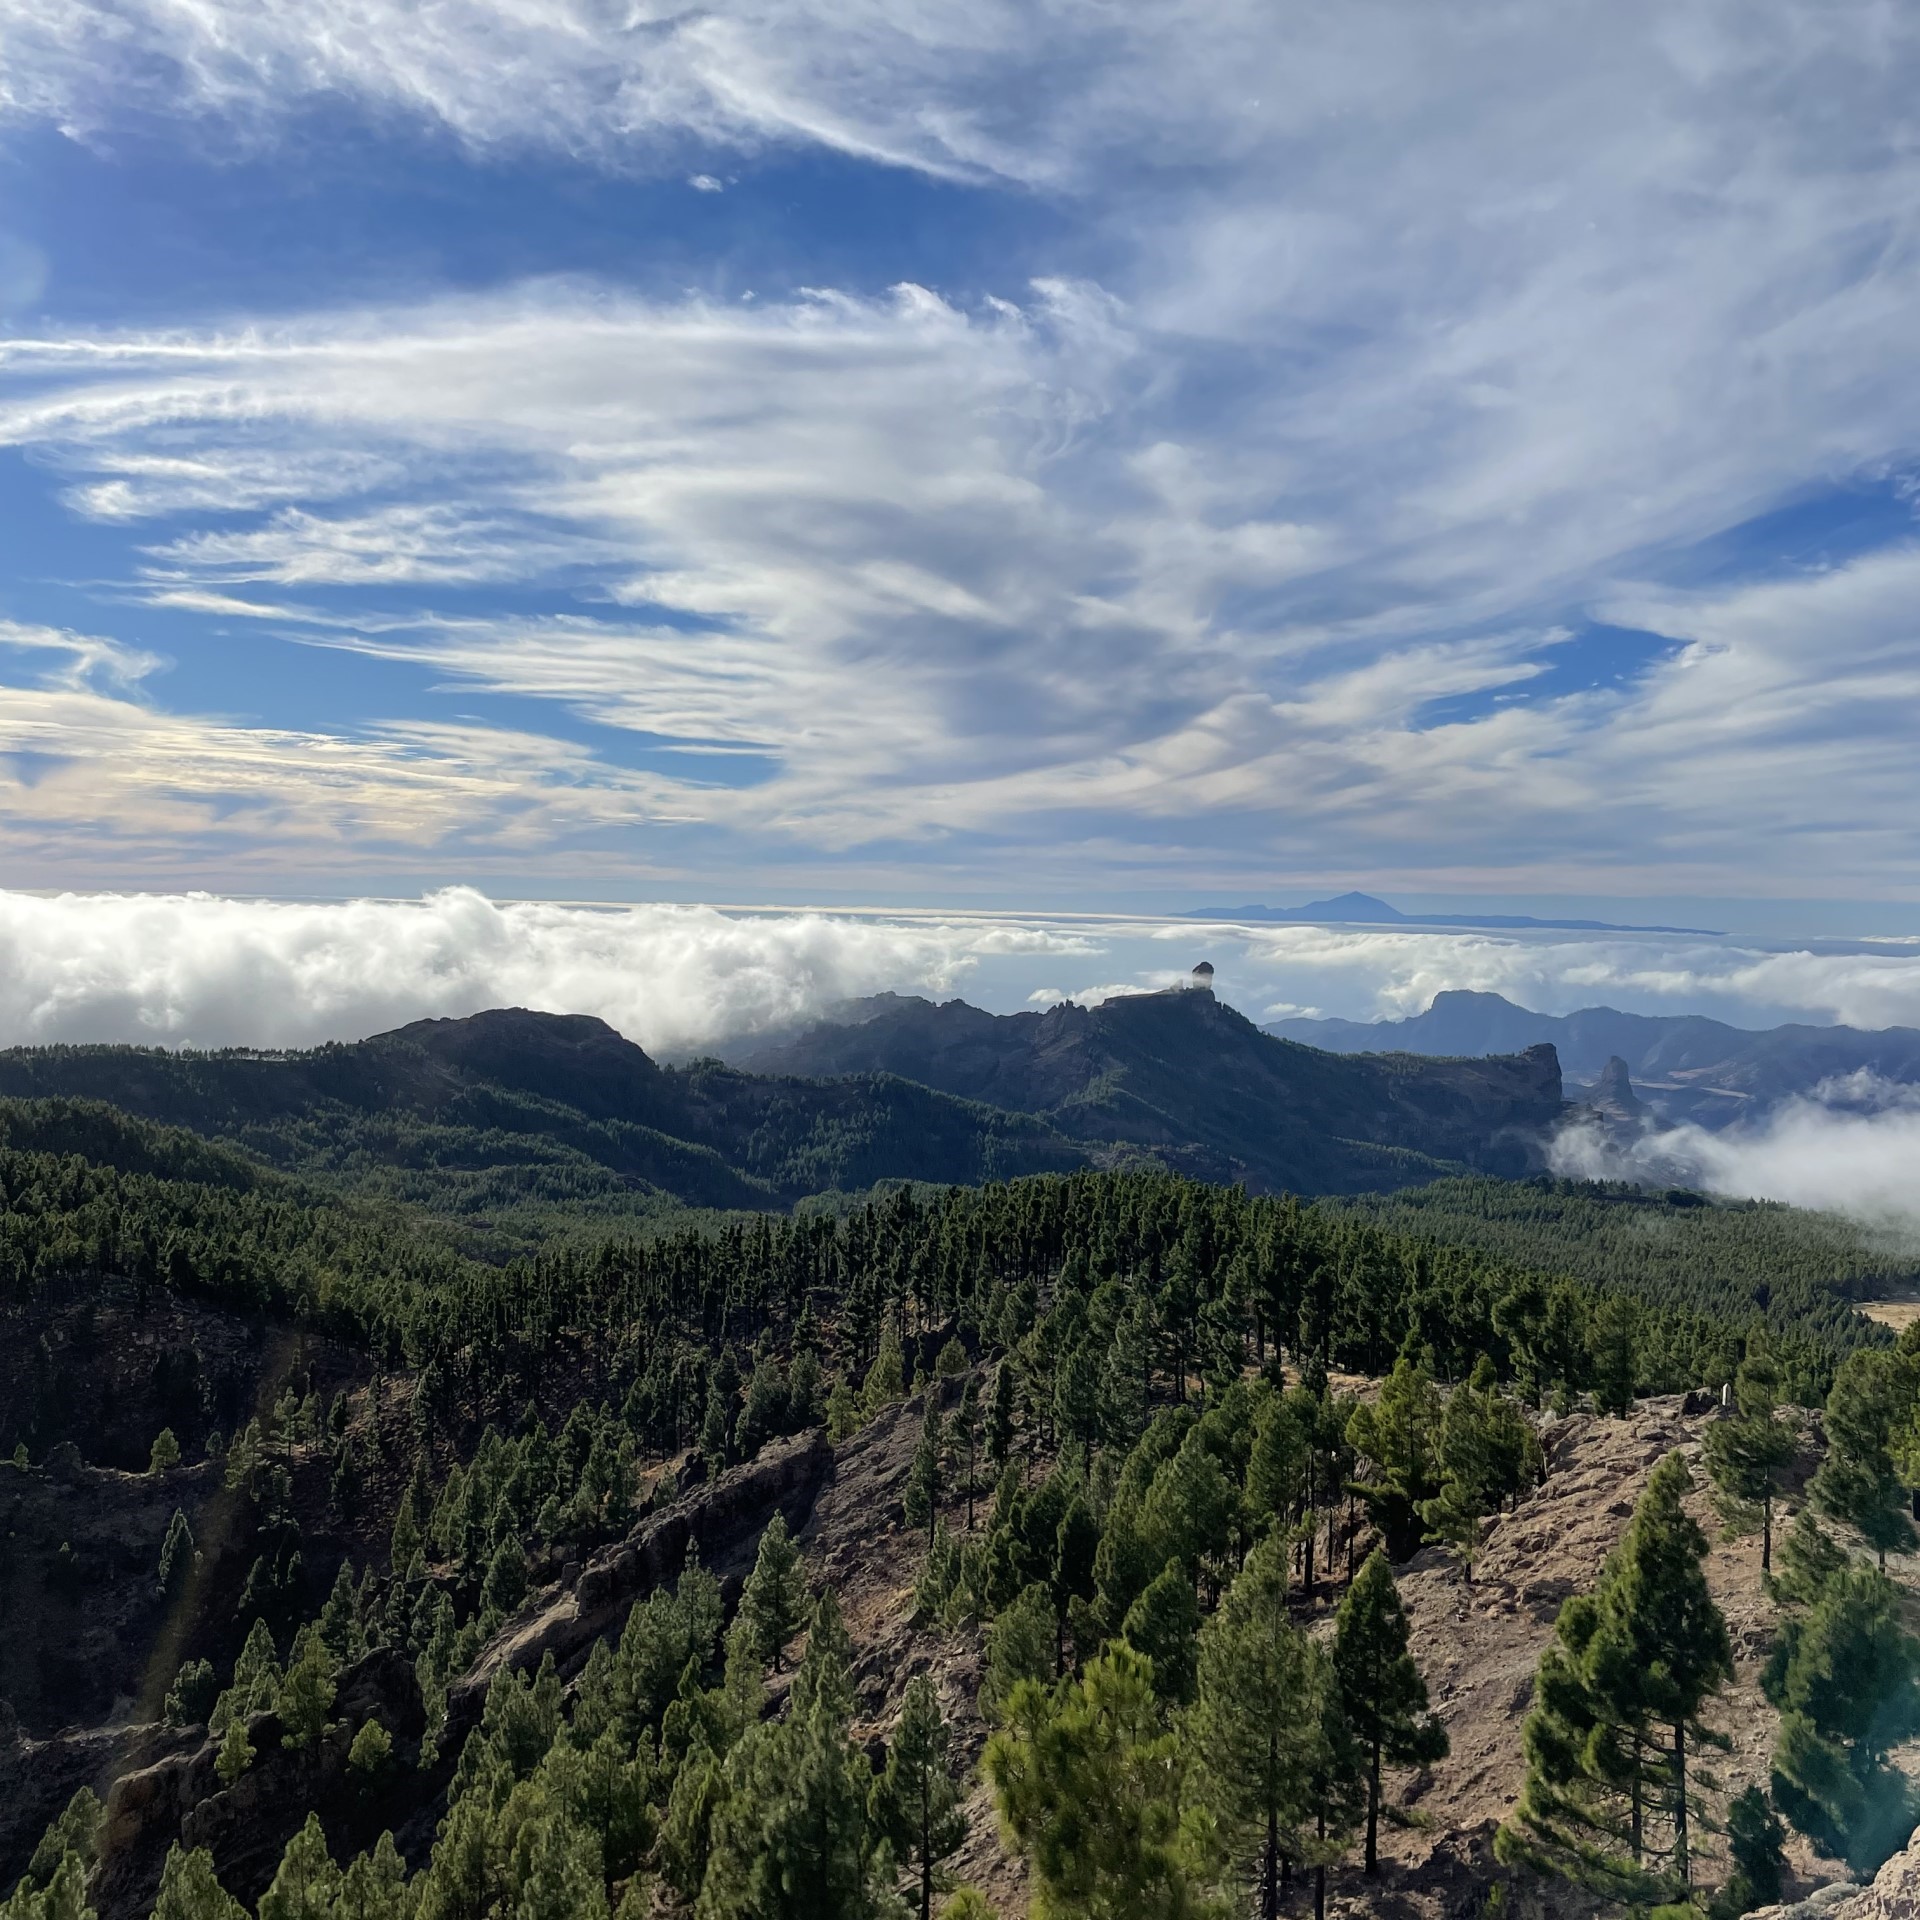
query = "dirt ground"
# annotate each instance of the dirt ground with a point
(1897, 1314)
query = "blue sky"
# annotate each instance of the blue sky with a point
(1036, 456)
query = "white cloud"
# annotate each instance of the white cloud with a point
(198, 970)
(87, 656)
(1393, 973)
(1852, 1147)
(208, 970)
(878, 575)
(1419, 328)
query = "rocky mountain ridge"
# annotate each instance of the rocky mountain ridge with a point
(1690, 1067)
(477, 1113)
(1180, 1073)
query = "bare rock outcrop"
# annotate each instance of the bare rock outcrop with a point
(1894, 1895)
(179, 1795)
(721, 1521)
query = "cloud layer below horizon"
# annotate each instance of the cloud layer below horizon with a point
(202, 970)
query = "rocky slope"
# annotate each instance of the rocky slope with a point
(1478, 1646)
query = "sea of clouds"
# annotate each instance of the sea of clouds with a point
(198, 970)
(1851, 1145)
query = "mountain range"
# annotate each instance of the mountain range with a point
(1183, 1076)
(1686, 1066)
(1362, 909)
(500, 1119)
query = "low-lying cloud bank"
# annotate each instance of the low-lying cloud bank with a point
(1852, 1147)
(194, 970)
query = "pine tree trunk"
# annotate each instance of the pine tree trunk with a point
(1636, 1835)
(1270, 1878)
(1373, 1809)
(1766, 1531)
(1320, 1872)
(1680, 1804)
(1306, 1575)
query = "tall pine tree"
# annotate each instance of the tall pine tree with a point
(1617, 1715)
(1748, 1455)
(1846, 1678)
(916, 1801)
(1381, 1691)
(1261, 1725)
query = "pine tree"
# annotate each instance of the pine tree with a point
(1400, 1435)
(256, 1676)
(374, 1886)
(824, 1683)
(1277, 1466)
(767, 1407)
(1618, 1705)
(371, 1753)
(1126, 1377)
(916, 1802)
(1755, 1839)
(190, 1890)
(405, 1542)
(506, 1583)
(790, 1835)
(966, 1436)
(924, 1488)
(339, 1622)
(886, 1380)
(1871, 1401)
(307, 1882)
(716, 1430)
(190, 1699)
(773, 1603)
(236, 1752)
(1000, 1417)
(165, 1455)
(1087, 1779)
(1023, 1643)
(1164, 1624)
(1190, 1510)
(1260, 1724)
(306, 1695)
(1471, 1459)
(1809, 1558)
(1846, 1678)
(1748, 1454)
(177, 1556)
(73, 1835)
(1382, 1694)
(1612, 1335)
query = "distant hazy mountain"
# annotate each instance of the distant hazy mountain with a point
(1685, 1066)
(1362, 909)
(1191, 1080)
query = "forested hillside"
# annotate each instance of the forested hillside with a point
(1804, 1271)
(521, 1125)
(844, 1560)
